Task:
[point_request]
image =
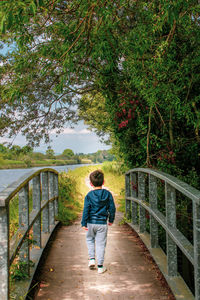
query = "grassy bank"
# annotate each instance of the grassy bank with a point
(12, 164)
(15, 164)
(73, 188)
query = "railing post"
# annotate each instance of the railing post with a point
(56, 193)
(24, 253)
(4, 253)
(128, 202)
(153, 205)
(170, 203)
(51, 195)
(134, 194)
(45, 197)
(196, 237)
(37, 207)
(141, 196)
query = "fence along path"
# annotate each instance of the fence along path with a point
(130, 275)
(36, 195)
(141, 198)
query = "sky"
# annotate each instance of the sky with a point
(79, 139)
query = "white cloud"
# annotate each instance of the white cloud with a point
(72, 131)
(5, 140)
(84, 131)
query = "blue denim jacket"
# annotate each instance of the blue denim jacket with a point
(98, 207)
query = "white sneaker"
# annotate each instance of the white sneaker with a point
(91, 263)
(102, 270)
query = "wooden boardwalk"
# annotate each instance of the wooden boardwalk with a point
(131, 273)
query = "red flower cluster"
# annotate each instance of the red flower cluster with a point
(168, 156)
(134, 186)
(127, 109)
(126, 113)
(123, 124)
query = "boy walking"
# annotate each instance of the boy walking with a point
(98, 208)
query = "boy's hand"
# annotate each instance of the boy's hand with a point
(85, 228)
(110, 224)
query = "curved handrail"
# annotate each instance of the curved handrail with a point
(19, 237)
(12, 189)
(179, 185)
(138, 203)
(176, 235)
(40, 222)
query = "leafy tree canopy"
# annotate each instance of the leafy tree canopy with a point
(136, 61)
(68, 152)
(92, 109)
(50, 153)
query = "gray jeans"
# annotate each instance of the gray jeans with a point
(97, 233)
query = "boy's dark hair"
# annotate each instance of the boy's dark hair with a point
(97, 178)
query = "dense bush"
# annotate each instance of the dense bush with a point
(140, 57)
(69, 200)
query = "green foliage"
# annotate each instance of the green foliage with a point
(38, 156)
(3, 149)
(14, 152)
(18, 271)
(113, 167)
(124, 220)
(12, 164)
(28, 158)
(69, 199)
(73, 188)
(98, 157)
(50, 153)
(152, 98)
(92, 111)
(68, 153)
(114, 180)
(136, 64)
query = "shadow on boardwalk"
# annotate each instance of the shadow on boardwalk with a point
(131, 273)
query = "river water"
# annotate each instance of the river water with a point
(7, 176)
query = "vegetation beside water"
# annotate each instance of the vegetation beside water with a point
(24, 157)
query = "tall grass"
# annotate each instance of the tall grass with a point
(73, 188)
(113, 167)
(69, 199)
(10, 164)
(114, 180)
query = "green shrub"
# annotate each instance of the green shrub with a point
(69, 199)
(19, 269)
(113, 167)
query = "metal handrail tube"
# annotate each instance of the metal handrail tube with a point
(15, 241)
(176, 235)
(12, 189)
(179, 185)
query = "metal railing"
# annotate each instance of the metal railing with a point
(138, 182)
(36, 195)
